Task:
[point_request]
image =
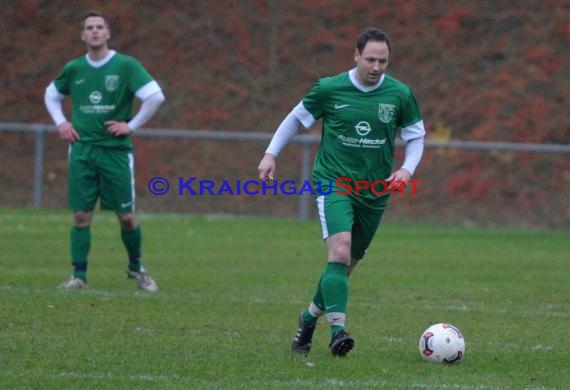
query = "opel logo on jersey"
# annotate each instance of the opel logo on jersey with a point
(95, 97)
(363, 128)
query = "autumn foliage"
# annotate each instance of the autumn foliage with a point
(482, 70)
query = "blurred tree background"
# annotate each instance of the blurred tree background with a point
(484, 71)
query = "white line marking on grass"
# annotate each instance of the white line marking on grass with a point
(541, 347)
(454, 386)
(418, 385)
(164, 379)
(87, 291)
(550, 310)
(110, 375)
(106, 375)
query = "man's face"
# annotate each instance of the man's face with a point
(372, 62)
(95, 32)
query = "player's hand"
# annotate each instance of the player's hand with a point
(67, 132)
(118, 129)
(399, 179)
(266, 167)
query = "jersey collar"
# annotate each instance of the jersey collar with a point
(101, 62)
(364, 88)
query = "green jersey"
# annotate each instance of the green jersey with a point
(358, 133)
(100, 94)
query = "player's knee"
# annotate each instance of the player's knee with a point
(128, 221)
(82, 218)
(339, 247)
(352, 265)
(341, 252)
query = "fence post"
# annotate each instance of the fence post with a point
(39, 165)
(304, 200)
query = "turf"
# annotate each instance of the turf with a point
(230, 292)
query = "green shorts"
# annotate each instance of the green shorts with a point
(100, 172)
(340, 213)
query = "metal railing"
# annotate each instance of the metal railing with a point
(306, 141)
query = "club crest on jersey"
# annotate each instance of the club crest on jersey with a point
(111, 82)
(386, 112)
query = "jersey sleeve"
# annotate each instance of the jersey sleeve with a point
(411, 112)
(314, 100)
(61, 82)
(139, 75)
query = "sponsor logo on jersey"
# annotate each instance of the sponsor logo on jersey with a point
(363, 128)
(111, 82)
(362, 142)
(386, 112)
(95, 97)
(95, 108)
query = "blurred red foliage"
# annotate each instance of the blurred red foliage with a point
(487, 71)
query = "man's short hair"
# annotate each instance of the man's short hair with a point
(372, 34)
(94, 13)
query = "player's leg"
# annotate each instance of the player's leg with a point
(308, 322)
(118, 194)
(332, 289)
(335, 291)
(83, 190)
(353, 263)
(334, 283)
(337, 217)
(131, 235)
(365, 225)
(364, 228)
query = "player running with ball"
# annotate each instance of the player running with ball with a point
(363, 110)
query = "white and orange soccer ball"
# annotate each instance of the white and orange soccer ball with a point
(442, 343)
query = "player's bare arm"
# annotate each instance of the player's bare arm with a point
(266, 167)
(401, 175)
(117, 128)
(68, 132)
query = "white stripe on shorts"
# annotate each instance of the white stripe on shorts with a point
(322, 218)
(132, 169)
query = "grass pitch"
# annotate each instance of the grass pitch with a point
(231, 290)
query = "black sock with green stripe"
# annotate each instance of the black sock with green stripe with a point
(80, 245)
(132, 240)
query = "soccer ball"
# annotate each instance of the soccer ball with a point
(442, 343)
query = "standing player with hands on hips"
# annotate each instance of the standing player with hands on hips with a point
(102, 84)
(362, 110)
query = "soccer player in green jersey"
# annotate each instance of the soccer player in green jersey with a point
(102, 85)
(362, 111)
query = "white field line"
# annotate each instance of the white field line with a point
(556, 310)
(66, 216)
(165, 379)
(547, 311)
(419, 385)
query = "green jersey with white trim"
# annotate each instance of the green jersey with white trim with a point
(358, 133)
(100, 94)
